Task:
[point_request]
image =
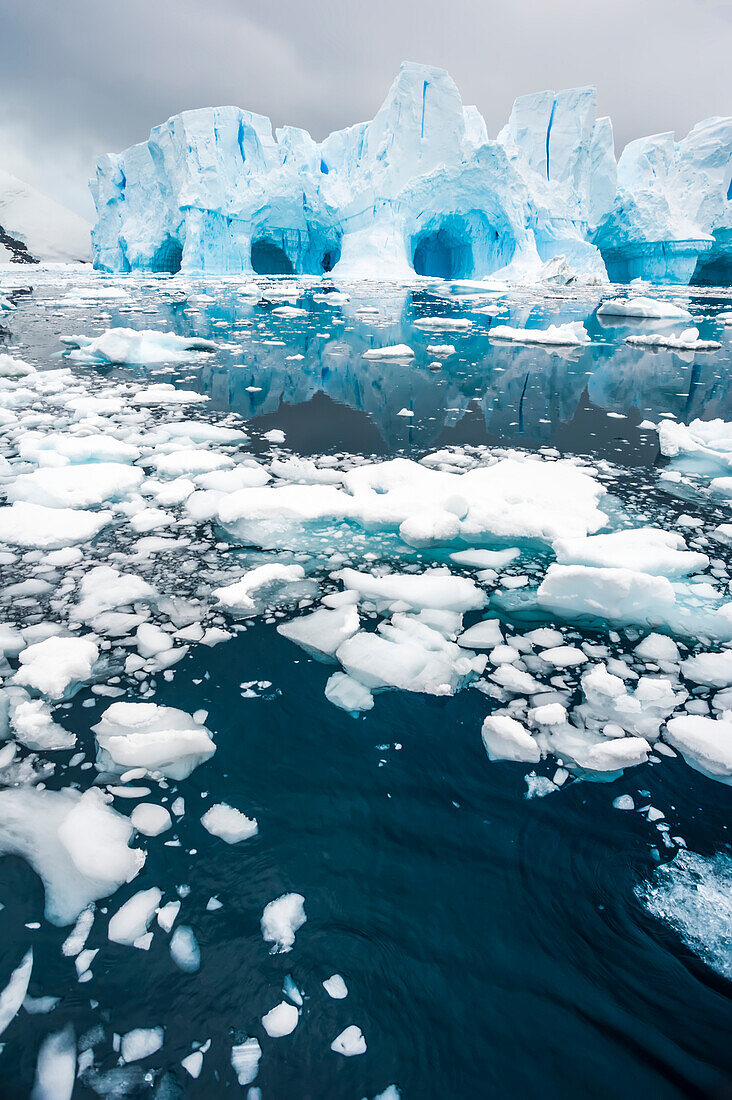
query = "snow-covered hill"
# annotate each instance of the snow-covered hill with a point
(34, 227)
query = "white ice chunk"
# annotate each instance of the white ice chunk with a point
(39, 528)
(141, 1042)
(132, 919)
(349, 1042)
(159, 739)
(322, 632)
(56, 664)
(335, 987)
(150, 819)
(281, 919)
(280, 1020)
(228, 823)
(245, 1061)
(506, 739)
(705, 744)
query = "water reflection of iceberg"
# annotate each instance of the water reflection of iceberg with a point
(481, 393)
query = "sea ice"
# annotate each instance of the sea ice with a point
(280, 1020)
(349, 1042)
(146, 347)
(159, 739)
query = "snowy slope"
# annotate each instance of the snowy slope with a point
(35, 227)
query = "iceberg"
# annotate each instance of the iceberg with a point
(420, 190)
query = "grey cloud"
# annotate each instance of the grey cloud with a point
(80, 77)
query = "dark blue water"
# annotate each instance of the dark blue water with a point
(493, 946)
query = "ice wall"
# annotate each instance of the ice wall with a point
(419, 189)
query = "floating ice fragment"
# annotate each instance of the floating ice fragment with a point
(149, 819)
(335, 987)
(57, 665)
(394, 351)
(506, 739)
(349, 1042)
(141, 1042)
(705, 744)
(159, 739)
(184, 949)
(245, 1061)
(280, 1020)
(146, 347)
(281, 919)
(56, 1066)
(688, 340)
(653, 308)
(572, 334)
(321, 632)
(348, 694)
(228, 823)
(132, 920)
(77, 844)
(36, 527)
(11, 998)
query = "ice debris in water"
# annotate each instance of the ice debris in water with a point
(693, 894)
(245, 1060)
(158, 739)
(281, 919)
(641, 307)
(57, 665)
(77, 844)
(184, 949)
(11, 997)
(127, 345)
(335, 987)
(56, 1066)
(350, 1042)
(141, 1042)
(280, 1020)
(131, 921)
(228, 823)
(573, 334)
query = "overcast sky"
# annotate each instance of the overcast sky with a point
(82, 77)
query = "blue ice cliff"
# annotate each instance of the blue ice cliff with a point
(420, 189)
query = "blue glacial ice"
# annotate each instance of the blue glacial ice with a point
(420, 190)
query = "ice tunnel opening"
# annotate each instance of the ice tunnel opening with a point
(444, 253)
(269, 259)
(168, 257)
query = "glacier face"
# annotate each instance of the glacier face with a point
(420, 189)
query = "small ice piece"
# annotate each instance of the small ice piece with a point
(643, 549)
(281, 919)
(343, 691)
(658, 648)
(290, 990)
(11, 998)
(624, 802)
(78, 936)
(131, 921)
(564, 656)
(193, 1064)
(228, 823)
(321, 632)
(349, 1042)
(213, 904)
(275, 435)
(56, 664)
(166, 915)
(485, 559)
(150, 819)
(56, 1066)
(141, 1042)
(335, 987)
(83, 486)
(506, 739)
(483, 635)
(245, 1061)
(184, 949)
(151, 640)
(159, 739)
(393, 351)
(649, 308)
(246, 596)
(572, 334)
(688, 340)
(280, 1020)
